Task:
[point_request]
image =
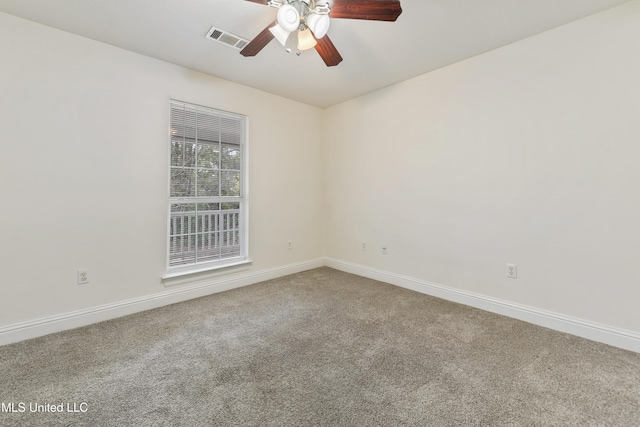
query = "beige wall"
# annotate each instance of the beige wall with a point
(528, 154)
(83, 170)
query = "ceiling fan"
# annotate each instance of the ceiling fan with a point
(311, 20)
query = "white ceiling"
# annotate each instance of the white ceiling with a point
(429, 34)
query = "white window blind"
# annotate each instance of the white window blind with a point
(207, 188)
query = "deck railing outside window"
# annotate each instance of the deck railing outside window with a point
(200, 236)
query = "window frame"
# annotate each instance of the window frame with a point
(221, 264)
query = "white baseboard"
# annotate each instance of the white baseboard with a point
(47, 325)
(621, 338)
(590, 330)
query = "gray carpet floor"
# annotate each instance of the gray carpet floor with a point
(318, 348)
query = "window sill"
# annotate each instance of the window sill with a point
(174, 278)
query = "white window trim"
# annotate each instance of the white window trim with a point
(189, 276)
(175, 275)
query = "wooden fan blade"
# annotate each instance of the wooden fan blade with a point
(264, 2)
(259, 42)
(328, 52)
(373, 10)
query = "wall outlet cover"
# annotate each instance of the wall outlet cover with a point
(83, 277)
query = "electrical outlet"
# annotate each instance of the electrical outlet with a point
(512, 271)
(384, 249)
(364, 246)
(83, 277)
(290, 245)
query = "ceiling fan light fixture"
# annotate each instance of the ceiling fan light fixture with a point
(288, 18)
(280, 34)
(318, 24)
(306, 40)
(299, 15)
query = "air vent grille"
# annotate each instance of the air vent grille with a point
(227, 38)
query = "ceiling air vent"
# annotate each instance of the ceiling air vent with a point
(227, 38)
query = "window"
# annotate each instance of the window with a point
(207, 189)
